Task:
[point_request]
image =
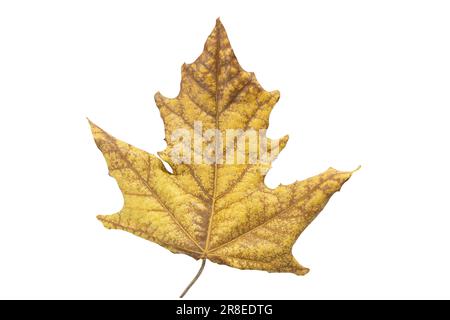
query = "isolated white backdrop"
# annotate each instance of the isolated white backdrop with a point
(362, 83)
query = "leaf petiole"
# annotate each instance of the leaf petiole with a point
(195, 278)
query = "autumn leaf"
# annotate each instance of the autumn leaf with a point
(211, 207)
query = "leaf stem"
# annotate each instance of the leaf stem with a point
(195, 278)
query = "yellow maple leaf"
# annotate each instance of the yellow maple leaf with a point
(215, 207)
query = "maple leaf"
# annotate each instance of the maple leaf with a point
(215, 210)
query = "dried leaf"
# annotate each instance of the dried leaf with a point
(217, 210)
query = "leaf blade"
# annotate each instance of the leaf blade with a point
(219, 211)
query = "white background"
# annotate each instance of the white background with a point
(362, 83)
